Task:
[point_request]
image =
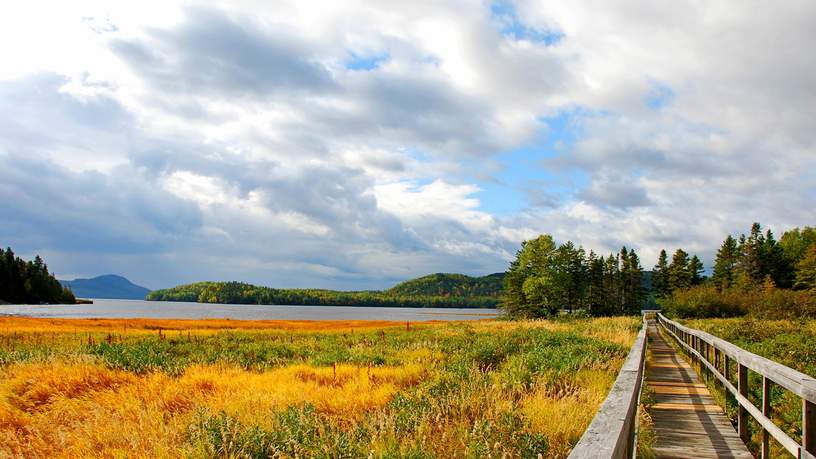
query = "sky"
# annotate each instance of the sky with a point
(355, 144)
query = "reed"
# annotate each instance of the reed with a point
(261, 389)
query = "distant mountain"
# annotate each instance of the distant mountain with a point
(444, 284)
(107, 286)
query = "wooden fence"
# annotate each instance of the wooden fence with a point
(613, 429)
(718, 356)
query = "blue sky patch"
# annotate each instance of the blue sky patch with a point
(504, 12)
(365, 62)
(660, 96)
(524, 180)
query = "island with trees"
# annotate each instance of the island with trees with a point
(434, 291)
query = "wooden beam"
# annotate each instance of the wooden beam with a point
(809, 427)
(766, 410)
(742, 415)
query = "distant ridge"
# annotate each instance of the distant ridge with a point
(440, 290)
(448, 284)
(106, 286)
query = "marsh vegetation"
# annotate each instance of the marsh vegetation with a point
(303, 389)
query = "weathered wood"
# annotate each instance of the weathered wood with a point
(766, 410)
(742, 413)
(611, 432)
(809, 426)
(792, 380)
(687, 421)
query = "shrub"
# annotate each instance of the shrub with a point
(704, 301)
(707, 301)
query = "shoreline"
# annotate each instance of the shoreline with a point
(17, 322)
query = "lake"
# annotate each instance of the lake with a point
(118, 309)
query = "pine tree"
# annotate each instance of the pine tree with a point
(611, 276)
(775, 264)
(725, 265)
(625, 269)
(679, 272)
(595, 289)
(696, 270)
(751, 267)
(660, 276)
(637, 294)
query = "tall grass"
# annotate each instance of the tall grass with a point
(484, 389)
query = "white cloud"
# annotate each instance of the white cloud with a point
(687, 121)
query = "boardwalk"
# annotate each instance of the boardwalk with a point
(687, 421)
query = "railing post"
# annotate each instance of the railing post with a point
(766, 410)
(727, 367)
(809, 426)
(742, 414)
(717, 359)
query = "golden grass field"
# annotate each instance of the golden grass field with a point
(226, 388)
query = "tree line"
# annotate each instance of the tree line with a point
(29, 282)
(448, 284)
(545, 278)
(758, 259)
(242, 293)
(752, 272)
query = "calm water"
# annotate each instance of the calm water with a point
(174, 310)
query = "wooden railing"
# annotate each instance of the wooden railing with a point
(612, 431)
(718, 355)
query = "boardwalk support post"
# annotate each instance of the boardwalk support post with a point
(809, 426)
(766, 410)
(742, 415)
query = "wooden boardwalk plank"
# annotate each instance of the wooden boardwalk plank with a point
(687, 420)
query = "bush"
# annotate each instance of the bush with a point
(704, 301)
(707, 301)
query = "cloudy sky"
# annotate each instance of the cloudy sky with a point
(354, 144)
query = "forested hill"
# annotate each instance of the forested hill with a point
(240, 293)
(444, 284)
(29, 282)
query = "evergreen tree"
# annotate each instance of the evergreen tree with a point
(679, 271)
(751, 270)
(660, 276)
(725, 265)
(774, 262)
(623, 281)
(594, 287)
(637, 294)
(696, 270)
(29, 282)
(611, 287)
(573, 264)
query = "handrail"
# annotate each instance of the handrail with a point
(714, 353)
(611, 434)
